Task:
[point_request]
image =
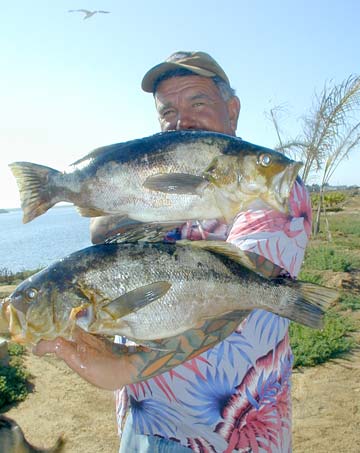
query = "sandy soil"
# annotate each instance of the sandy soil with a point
(326, 408)
(62, 403)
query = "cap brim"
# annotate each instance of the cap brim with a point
(154, 73)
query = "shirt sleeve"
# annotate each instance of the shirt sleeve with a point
(280, 238)
(210, 230)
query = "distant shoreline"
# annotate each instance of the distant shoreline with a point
(65, 205)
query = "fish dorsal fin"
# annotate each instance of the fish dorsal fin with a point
(136, 299)
(103, 150)
(223, 248)
(176, 183)
(138, 231)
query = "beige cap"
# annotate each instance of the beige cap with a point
(199, 63)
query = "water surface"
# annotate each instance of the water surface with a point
(53, 235)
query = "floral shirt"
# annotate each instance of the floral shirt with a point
(236, 396)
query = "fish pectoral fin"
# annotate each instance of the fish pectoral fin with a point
(91, 212)
(223, 248)
(176, 183)
(134, 300)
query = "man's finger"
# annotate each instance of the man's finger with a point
(59, 346)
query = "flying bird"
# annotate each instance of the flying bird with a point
(87, 13)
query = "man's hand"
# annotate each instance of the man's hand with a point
(97, 360)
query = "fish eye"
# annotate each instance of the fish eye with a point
(31, 294)
(265, 160)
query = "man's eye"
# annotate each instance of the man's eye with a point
(198, 104)
(167, 113)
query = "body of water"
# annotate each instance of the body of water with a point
(53, 235)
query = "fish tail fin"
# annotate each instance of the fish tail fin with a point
(33, 183)
(308, 304)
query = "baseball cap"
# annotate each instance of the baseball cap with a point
(199, 63)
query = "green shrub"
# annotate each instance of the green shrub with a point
(348, 225)
(16, 349)
(312, 277)
(312, 347)
(327, 258)
(349, 301)
(13, 378)
(332, 201)
(8, 277)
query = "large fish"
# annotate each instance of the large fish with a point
(178, 175)
(152, 291)
(12, 439)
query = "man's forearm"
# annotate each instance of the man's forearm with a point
(173, 351)
(103, 227)
(263, 266)
(111, 366)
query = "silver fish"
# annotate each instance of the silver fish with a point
(12, 439)
(172, 176)
(152, 291)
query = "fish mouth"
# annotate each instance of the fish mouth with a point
(283, 184)
(4, 318)
(16, 322)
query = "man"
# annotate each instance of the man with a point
(235, 396)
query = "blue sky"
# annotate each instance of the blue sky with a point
(70, 85)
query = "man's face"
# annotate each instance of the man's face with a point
(194, 102)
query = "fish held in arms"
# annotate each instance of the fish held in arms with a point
(172, 176)
(152, 291)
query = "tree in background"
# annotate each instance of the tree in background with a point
(330, 132)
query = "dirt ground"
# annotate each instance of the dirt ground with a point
(63, 403)
(326, 409)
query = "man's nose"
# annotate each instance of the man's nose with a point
(185, 121)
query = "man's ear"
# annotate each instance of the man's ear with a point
(234, 110)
